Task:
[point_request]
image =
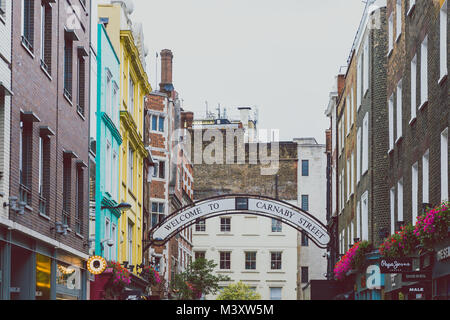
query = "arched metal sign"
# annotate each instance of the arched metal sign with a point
(240, 204)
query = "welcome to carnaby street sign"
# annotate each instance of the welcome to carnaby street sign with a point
(241, 204)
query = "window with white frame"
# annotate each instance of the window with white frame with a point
(115, 102)
(157, 212)
(424, 72)
(115, 175)
(365, 216)
(398, 13)
(415, 192)
(426, 177)
(414, 87)
(444, 165)
(130, 168)
(358, 83)
(365, 148)
(412, 4)
(358, 155)
(114, 239)
(352, 166)
(275, 293)
(348, 177)
(348, 115)
(443, 40)
(366, 66)
(358, 220)
(399, 110)
(108, 169)
(130, 241)
(392, 208)
(391, 123)
(108, 94)
(391, 32)
(106, 248)
(400, 200)
(352, 102)
(131, 96)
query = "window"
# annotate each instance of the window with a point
(424, 72)
(225, 260)
(114, 239)
(305, 168)
(162, 169)
(81, 70)
(108, 169)
(67, 190)
(398, 13)
(28, 24)
(275, 260)
(358, 83)
(365, 148)
(25, 147)
(68, 56)
(358, 155)
(41, 166)
(131, 96)
(305, 276)
(414, 87)
(46, 37)
(391, 123)
(115, 102)
(415, 191)
(358, 220)
(79, 200)
(391, 33)
(305, 239)
(130, 168)
(400, 200)
(277, 225)
(225, 224)
(305, 202)
(130, 242)
(107, 237)
(44, 174)
(444, 165)
(200, 226)
(365, 216)
(425, 177)
(443, 40)
(161, 124)
(200, 255)
(352, 170)
(115, 175)
(399, 110)
(348, 178)
(275, 293)
(108, 94)
(250, 261)
(157, 213)
(154, 122)
(366, 66)
(392, 208)
(348, 116)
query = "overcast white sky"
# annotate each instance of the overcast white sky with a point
(280, 55)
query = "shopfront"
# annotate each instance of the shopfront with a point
(31, 269)
(441, 271)
(369, 285)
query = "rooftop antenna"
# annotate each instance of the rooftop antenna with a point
(218, 110)
(207, 112)
(224, 113)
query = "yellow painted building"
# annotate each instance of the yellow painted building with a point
(134, 86)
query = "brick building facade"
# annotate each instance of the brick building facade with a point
(49, 149)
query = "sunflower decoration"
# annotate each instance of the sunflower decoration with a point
(96, 265)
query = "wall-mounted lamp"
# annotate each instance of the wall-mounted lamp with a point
(122, 207)
(13, 202)
(60, 228)
(109, 242)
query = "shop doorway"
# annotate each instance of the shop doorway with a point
(21, 274)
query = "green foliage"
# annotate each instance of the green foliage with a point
(198, 279)
(359, 258)
(238, 291)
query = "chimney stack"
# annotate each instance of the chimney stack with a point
(166, 71)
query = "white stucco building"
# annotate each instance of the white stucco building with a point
(251, 249)
(312, 162)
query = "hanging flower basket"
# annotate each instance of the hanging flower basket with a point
(150, 274)
(119, 279)
(401, 244)
(433, 227)
(352, 261)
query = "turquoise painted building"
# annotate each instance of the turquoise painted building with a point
(108, 143)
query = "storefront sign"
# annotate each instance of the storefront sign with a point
(416, 276)
(443, 254)
(394, 265)
(300, 220)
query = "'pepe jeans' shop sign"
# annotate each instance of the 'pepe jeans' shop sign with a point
(396, 265)
(298, 219)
